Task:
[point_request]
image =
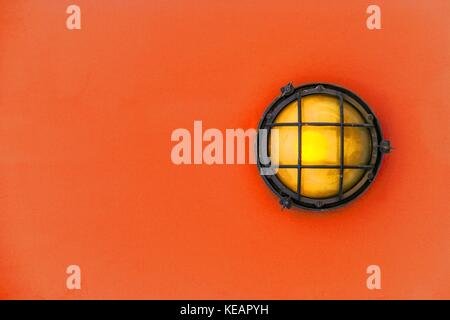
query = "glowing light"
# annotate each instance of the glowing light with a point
(321, 146)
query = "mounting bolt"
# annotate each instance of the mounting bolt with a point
(370, 176)
(287, 89)
(370, 117)
(385, 146)
(319, 204)
(286, 203)
(319, 88)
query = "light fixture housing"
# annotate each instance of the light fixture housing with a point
(337, 178)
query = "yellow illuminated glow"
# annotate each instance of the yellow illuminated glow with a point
(320, 146)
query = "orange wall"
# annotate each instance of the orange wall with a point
(85, 170)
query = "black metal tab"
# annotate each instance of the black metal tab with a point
(385, 146)
(287, 89)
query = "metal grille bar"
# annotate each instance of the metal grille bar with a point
(341, 174)
(320, 124)
(325, 166)
(299, 152)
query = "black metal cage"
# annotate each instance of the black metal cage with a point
(289, 94)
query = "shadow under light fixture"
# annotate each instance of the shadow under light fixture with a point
(340, 142)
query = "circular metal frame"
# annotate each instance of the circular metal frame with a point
(289, 94)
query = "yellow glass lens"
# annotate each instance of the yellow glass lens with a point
(320, 146)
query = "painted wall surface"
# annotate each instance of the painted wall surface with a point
(86, 176)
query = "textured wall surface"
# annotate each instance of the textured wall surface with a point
(86, 176)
